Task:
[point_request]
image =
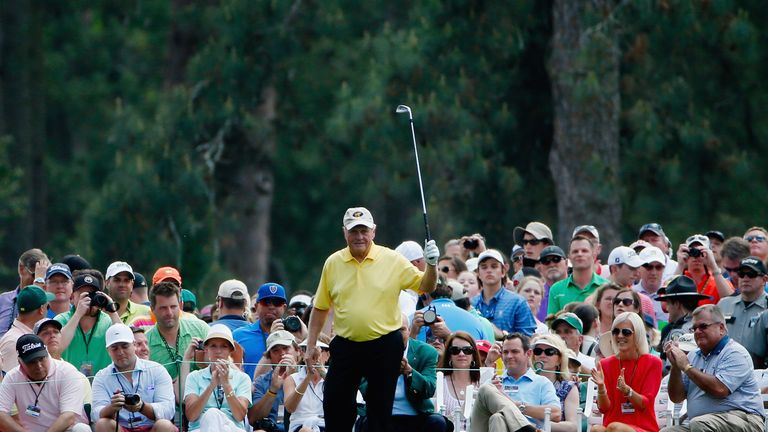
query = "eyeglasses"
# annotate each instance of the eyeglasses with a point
(532, 242)
(757, 238)
(625, 301)
(625, 332)
(653, 267)
(702, 326)
(548, 351)
(454, 350)
(750, 274)
(434, 339)
(551, 259)
(272, 302)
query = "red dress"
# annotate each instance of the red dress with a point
(644, 377)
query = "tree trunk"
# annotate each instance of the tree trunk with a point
(584, 160)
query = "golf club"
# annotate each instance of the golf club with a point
(403, 109)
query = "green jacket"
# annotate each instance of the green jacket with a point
(421, 387)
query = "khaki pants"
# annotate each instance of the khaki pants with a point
(495, 412)
(728, 421)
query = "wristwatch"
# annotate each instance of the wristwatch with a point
(39, 281)
(521, 407)
(687, 368)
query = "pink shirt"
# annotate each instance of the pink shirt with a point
(61, 392)
(8, 352)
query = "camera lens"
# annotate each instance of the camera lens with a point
(430, 316)
(292, 324)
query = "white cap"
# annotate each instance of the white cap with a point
(220, 331)
(586, 228)
(698, 238)
(280, 337)
(625, 255)
(410, 250)
(472, 264)
(686, 342)
(118, 267)
(118, 333)
(358, 216)
(490, 253)
(233, 289)
(319, 344)
(301, 298)
(653, 254)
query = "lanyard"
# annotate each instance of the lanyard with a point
(174, 354)
(90, 336)
(219, 394)
(37, 394)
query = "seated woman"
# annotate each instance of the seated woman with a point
(551, 361)
(627, 383)
(304, 392)
(217, 397)
(531, 289)
(461, 367)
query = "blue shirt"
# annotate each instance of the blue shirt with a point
(730, 363)
(260, 387)
(234, 322)
(455, 319)
(149, 379)
(199, 380)
(507, 311)
(254, 342)
(530, 389)
(8, 309)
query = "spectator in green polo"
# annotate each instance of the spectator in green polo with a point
(83, 335)
(582, 282)
(171, 336)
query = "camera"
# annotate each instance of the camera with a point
(200, 345)
(430, 316)
(101, 301)
(471, 244)
(292, 324)
(694, 252)
(132, 399)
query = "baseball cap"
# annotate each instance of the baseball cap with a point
(280, 337)
(119, 267)
(32, 297)
(271, 290)
(458, 291)
(483, 345)
(639, 245)
(164, 273)
(76, 262)
(472, 264)
(537, 229)
(490, 253)
(188, 296)
(753, 263)
(625, 255)
(653, 254)
(714, 234)
(586, 229)
(300, 299)
(58, 268)
(233, 289)
(358, 216)
(119, 333)
(86, 280)
(44, 322)
(571, 319)
(572, 356)
(30, 347)
(686, 342)
(410, 250)
(319, 344)
(652, 227)
(697, 238)
(220, 331)
(552, 251)
(139, 281)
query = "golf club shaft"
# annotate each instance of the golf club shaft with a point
(421, 185)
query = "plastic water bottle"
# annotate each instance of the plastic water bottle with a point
(547, 422)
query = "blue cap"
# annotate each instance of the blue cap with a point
(58, 268)
(271, 290)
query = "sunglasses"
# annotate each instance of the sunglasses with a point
(749, 274)
(702, 327)
(757, 238)
(625, 301)
(272, 302)
(731, 269)
(625, 332)
(551, 259)
(454, 350)
(532, 242)
(434, 339)
(548, 351)
(653, 267)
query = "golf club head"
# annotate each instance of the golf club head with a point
(403, 109)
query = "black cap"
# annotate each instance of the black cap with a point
(76, 262)
(552, 251)
(139, 281)
(86, 280)
(30, 347)
(715, 235)
(753, 263)
(652, 227)
(679, 288)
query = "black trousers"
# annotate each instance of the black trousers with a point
(421, 423)
(378, 361)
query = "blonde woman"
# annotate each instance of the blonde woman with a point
(531, 289)
(550, 359)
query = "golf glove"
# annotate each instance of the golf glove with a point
(431, 252)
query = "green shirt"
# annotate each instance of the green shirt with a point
(87, 351)
(132, 311)
(161, 352)
(566, 291)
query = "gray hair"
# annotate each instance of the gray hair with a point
(713, 310)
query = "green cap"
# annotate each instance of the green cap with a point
(188, 296)
(32, 297)
(571, 319)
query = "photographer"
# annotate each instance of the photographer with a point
(443, 317)
(697, 261)
(472, 246)
(137, 391)
(282, 351)
(85, 326)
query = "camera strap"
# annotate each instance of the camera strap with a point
(87, 341)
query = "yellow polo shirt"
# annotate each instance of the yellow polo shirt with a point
(365, 295)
